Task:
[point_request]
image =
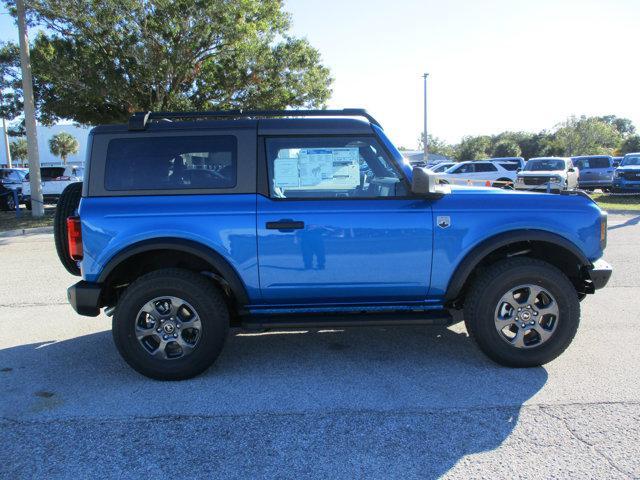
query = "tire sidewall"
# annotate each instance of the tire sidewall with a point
(212, 336)
(548, 278)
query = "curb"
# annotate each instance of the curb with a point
(26, 231)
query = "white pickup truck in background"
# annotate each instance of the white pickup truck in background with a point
(54, 181)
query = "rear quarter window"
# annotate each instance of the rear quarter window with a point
(171, 163)
(511, 166)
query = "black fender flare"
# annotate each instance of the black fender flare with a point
(207, 254)
(466, 267)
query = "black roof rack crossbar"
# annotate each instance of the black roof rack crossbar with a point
(139, 120)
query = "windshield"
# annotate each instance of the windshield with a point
(635, 160)
(544, 164)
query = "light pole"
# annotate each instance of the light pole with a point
(425, 143)
(29, 114)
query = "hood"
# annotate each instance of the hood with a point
(628, 168)
(543, 173)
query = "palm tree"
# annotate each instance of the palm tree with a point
(62, 145)
(19, 151)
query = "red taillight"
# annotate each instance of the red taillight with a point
(74, 237)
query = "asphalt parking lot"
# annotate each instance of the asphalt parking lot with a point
(357, 403)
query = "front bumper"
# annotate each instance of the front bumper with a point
(594, 183)
(599, 273)
(84, 297)
(631, 186)
(553, 188)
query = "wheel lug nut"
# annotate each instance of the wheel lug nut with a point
(532, 323)
(175, 335)
(159, 330)
(165, 337)
(178, 325)
(522, 325)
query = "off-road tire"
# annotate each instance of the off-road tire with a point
(198, 291)
(67, 206)
(487, 290)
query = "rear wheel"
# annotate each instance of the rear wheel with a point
(522, 312)
(171, 324)
(67, 206)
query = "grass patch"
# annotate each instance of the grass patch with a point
(9, 221)
(617, 202)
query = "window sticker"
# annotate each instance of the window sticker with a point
(317, 169)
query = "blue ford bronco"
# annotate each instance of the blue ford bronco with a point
(187, 224)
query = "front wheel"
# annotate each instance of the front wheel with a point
(522, 312)
(171, 324)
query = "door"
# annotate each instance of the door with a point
(337, 224)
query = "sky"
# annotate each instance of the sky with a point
(494, 65)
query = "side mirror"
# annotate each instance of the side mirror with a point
(426, 184)
(571, 170)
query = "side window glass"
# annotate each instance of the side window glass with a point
(171, 163)
(331, 167)
(485, 167)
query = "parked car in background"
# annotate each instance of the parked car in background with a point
(616, 161)
(441, 167)
(11, 179)
(627, 176)
(595, 171)
(54, 181)
(510, 163)
(478, 172)
(548, 173)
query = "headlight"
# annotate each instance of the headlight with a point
(617, 174)
(519, 180)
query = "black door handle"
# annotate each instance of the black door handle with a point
(285, 225)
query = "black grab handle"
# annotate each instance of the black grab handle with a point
(285, 225)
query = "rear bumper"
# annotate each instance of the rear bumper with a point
(84, 297)
(599, 273)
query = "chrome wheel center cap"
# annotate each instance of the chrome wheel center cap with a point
(525, 316)
(169, 328)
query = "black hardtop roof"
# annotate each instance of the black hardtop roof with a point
(267, 121)
(269, 126)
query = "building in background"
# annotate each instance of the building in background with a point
(44, 134)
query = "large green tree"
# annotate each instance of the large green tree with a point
(100, 60)
(437, 146)
(630, 144)
(586, 136)
(10, 81)
(62, 145)
(474, 148)
(506, 148)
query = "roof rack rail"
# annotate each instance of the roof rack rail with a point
(140, 120)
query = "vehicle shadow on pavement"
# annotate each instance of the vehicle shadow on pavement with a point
(354, 401)
(628, 223)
